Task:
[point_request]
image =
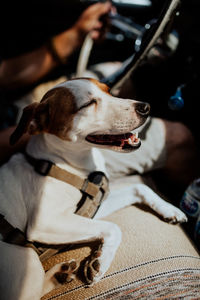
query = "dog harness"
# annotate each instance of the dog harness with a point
(94, 190)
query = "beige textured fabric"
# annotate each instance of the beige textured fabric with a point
(150, 248)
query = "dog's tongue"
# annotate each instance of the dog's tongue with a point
(118, 140)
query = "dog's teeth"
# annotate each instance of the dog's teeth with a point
(130, 141)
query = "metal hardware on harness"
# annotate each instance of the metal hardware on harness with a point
(41, 166)
(90, 202)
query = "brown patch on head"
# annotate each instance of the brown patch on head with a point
(54, 114)
(100, 85)
(61, 107)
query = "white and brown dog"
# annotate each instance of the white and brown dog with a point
(69, 126)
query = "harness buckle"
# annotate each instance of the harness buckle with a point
(99, 179)
(43, 166)
(95, 190)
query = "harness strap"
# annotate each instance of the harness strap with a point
(81, 184)
(47, 168)
(14, 235)
(94, 190)
(11, 234)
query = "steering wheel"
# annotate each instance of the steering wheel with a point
(145, 40)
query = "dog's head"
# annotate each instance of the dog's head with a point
(83, 110)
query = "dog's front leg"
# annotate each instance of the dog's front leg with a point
(169, 212)
(72, 228)
(140, 193)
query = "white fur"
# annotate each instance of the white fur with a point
(44, 207)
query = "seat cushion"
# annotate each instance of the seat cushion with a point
(155, 260)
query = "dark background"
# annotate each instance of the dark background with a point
(26, 25)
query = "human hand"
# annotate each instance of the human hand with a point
(95, 20)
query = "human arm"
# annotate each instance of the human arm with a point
(30, 67)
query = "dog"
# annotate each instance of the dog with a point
(70, 125)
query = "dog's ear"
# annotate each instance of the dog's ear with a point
(24, 123)
(34, 120)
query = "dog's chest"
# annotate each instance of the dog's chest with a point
(58, 197)
(26, 197)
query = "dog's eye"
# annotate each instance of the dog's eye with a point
(93, 101)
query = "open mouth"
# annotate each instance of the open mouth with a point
(127, 141)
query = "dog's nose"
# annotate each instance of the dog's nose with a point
(143, 109)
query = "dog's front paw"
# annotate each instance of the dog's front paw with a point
(99, 261)
(174, 215)
(67, 272)
(92, 267)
